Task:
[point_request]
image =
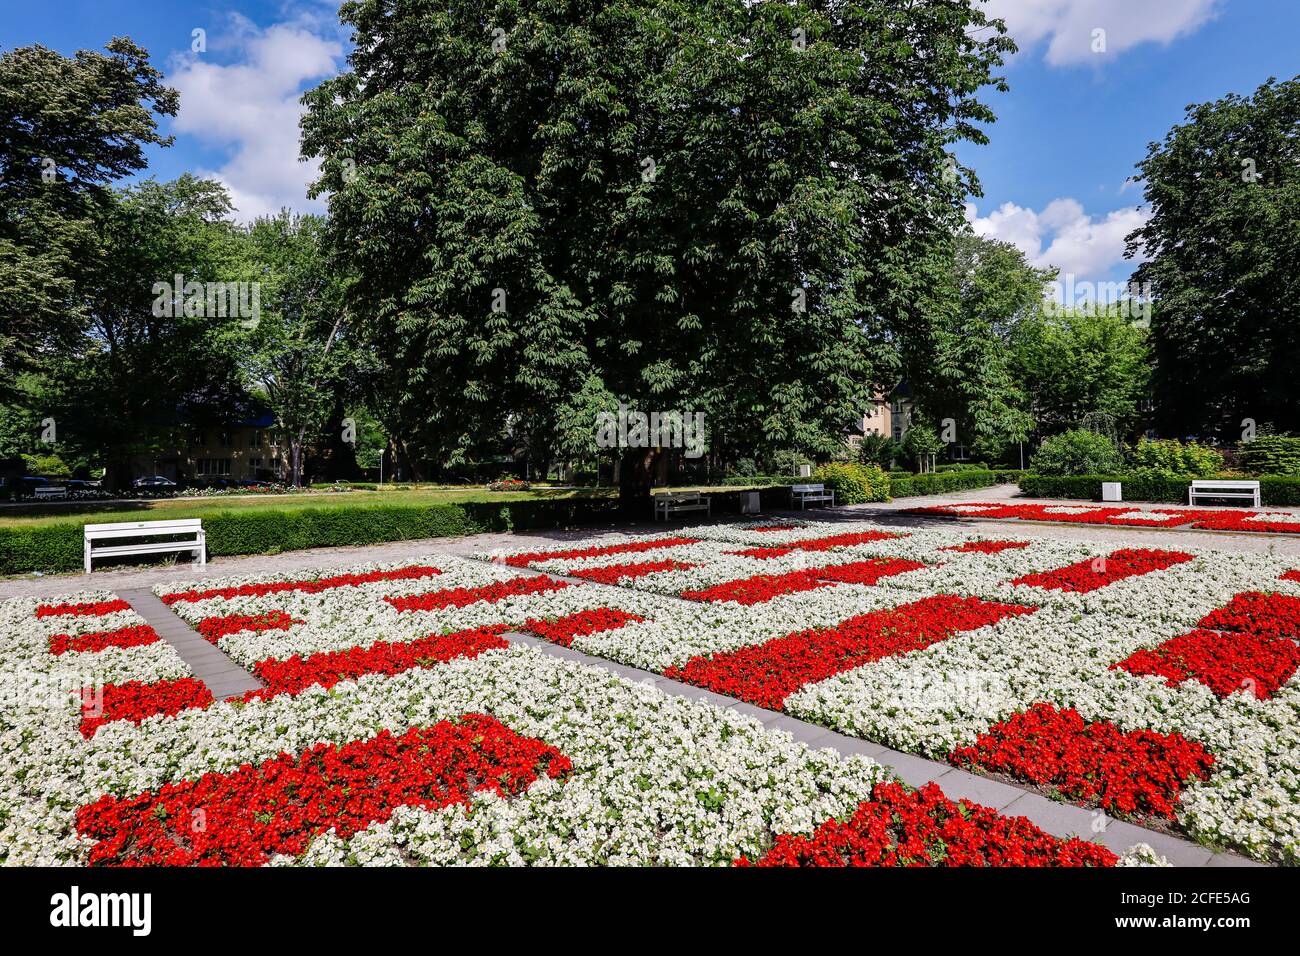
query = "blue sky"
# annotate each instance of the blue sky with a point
(1069, 132)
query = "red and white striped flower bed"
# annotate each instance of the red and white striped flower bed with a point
(1201, 519)
(1146, 652)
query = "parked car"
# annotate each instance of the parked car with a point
(153, 481)
(81, 484)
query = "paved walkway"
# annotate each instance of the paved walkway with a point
(210, 664)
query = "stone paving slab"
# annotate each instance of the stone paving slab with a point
(210, 664)
(1058, 819)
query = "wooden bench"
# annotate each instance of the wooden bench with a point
(1215, 488)
(802, 494)
(192, 527)
(50, 491)
(686, 501)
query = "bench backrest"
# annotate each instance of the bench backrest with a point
(684, 497)
(1199, 483)
(43, 491)
(807, 489)
(135, 529)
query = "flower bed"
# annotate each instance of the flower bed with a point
(429, 745)
(953, 652)
(1136, 773)
(1219, 519)
(898, 827)
(1102, 641)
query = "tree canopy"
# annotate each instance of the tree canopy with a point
(71, 127)
(1221, 246)
(709, 206)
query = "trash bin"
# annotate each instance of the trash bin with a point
(749, 503)
(1111, 491)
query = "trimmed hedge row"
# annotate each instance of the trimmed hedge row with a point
(57, 548)
(1277, 491)
(944, 482)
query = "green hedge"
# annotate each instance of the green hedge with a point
(1276, 491)
(57, 548)
(945, 482)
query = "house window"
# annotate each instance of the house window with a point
(213, 466)
(257, 438)
(226, 438)
(255, 464)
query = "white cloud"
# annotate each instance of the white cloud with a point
(250, 107)
(1062, 235)
(1067, 25)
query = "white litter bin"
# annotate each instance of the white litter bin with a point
(1111, 491)
(749, 503)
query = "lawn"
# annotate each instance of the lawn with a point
(92, 512)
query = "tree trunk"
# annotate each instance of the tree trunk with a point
(295, 463)
(635, 478)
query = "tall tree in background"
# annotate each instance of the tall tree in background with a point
(956, 350)
(71, 126)
(711, 206)
(1222, 245)
(1078, 362)
(126, 385)
(301, 358)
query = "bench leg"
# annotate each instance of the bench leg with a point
(202, 553)
(86, 560)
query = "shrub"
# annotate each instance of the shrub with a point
(854, 483)
(47, 466)
(1271, 455)
(1173, 458)
(878, 450)
(944, 482)
(1077, 452)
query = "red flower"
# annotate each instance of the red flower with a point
(524, 560)
(135, 636)
(1139, 773)
(460, 597)
(818, 544)
(901, 827)
(1094, 573)
(136, 700)
(1272, 615)
(766, 674)
(89, 609)
(1222, 662)
(563, 630)
(314, 586)
(246, 816)
(327, 668)
(613, 573)
(215, 628)
(765, 587)
(985, 547)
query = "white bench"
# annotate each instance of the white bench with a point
(802, 494)
(686, 501)
(96, 533)
(1214, 488)
(50, 491)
